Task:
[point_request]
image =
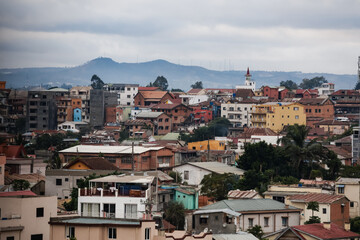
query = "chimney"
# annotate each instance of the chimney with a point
(347, 226)
(327, 225)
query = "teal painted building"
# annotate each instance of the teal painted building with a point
(189, 197)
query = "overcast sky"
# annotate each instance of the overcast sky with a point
(275, 35)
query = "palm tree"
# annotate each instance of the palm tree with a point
(298, 150)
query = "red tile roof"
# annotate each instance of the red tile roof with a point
(316, 197)
(148, 88)
(346, 92)
(12, 151)
(302, 91)
(258, 132)
(242, 194)
(317, 230)
(94, 164)
(313, 101)
(194, 90)
(166, 106)
(17, 193)
(331, 122)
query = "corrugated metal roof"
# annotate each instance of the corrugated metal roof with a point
(316, 197)
(17, 193)
(148, 114)
(242, 194)
(108, 149)
(236, 236)
(225, 210)
(348, 180)
(247, 205)
(125, 179)
(218, 167)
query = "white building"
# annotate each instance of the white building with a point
(116, 196)
(135, 111)
(71, 126)
(24, 215)
(193, 99)
(249, 83)
(326, 89)
(238, 113)
(125, 92)
(194, 172)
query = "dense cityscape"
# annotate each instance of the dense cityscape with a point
(114, 159)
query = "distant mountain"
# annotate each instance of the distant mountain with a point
(178, 76)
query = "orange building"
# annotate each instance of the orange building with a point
(317, 109)
(2, 84)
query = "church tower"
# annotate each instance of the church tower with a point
(248, 82)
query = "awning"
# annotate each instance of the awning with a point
(340, 185)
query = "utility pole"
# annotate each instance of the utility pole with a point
(132, 157)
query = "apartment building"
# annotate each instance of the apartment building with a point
(147, 98)
(350, 187)
(102, 229)
(178, 113)
(99, 101)
(42, 110)
(125, 92)
(275, 115)
(81, 103)
(317, 109)
(25, 216)
(326, 89)
(117, 196)
(239, 113)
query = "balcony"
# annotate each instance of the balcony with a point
(261, 120)
(98, 192)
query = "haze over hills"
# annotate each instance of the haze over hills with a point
(178, 76)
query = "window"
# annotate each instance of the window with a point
(342, 208)
(70, 232)
(351, 204)
(160, 119)
(297, 117)
(324, 210)
(130, 211)
(296, 109)
(66, 179)
(266, 221)
(39, 212)
(126, 159)
(58, 182)
(251, 222)
(109, 210)
(186, 175)
(166, 120)
(284, 221)
(147, 233)
(203, 219)
(37, 237)
(341, 189)
(112, 233)
(10, 238)
(128, 96)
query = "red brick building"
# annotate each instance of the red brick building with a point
(178, 112)
(162, 122)
(140, 128)
(317, 109)
(202, 115)
(275, 93)
(306, 93)
(145, 158)
(148, 98)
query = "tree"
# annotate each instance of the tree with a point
(313, 219)
(175, 214)
(301, 153)
(160, 82)
(176, 90)
(96, 82)
(197, 85)
(312, 83)
(289, 84)
(313, 206)
(176, 176)
(20, 184)
(256, 231)
(355, 225)
(357, 86)
(217, 186)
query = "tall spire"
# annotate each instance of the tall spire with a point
(248, 73)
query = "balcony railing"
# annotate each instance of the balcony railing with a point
(112, 192)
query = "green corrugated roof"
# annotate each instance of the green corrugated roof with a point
(245, 205)
(97, 221)
(171, 136)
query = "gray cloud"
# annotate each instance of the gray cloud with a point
(307, 35)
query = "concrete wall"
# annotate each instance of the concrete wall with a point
(63, 190)
(352, 192)
(23, 213)
(195, 174)
(217, 223)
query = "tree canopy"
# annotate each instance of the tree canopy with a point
(312, 83)
(96, 82)
(20, 184)
(197, 85)
(217, 186)
(160, 82)
(289, 84)
(357, 86)
(175, 214)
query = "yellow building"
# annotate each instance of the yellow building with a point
(203, 145)
(276, 115)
